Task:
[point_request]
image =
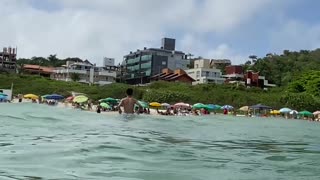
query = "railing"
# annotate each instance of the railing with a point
(107, 73)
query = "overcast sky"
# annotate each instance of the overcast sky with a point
(93, 29)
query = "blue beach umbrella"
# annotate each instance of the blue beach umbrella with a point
(54, 97)
(2, 94)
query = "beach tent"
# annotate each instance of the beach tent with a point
(260, 106)
(31, 96)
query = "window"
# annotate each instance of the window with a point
(164, 63)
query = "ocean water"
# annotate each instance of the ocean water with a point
(41, 142)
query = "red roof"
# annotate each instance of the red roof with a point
(32, 67)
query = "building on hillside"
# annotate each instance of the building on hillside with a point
(37, 70)
(143, 64)
(253, 79)
(8, 60)
(204, 73)
(168, 75)
(236, 74)
(86, 72)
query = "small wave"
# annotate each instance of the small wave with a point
(44, 118)
(11, 117)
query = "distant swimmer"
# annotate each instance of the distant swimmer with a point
(128, 103)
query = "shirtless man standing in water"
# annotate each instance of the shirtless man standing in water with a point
(128, 103)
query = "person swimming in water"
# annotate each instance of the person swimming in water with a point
(128, 103)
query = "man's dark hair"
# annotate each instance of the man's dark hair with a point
(129, 92)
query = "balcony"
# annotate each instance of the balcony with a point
(67, 71)
(107, 73)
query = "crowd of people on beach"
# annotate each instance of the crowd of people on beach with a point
(129, 105)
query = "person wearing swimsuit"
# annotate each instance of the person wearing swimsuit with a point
(128, 103)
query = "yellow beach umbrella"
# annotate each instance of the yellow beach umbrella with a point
(80, 99)
(274, 112)
(155, 104)
(31, 96)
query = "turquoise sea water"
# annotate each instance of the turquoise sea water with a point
(41, 142)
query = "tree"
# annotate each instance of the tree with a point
(75, 77)
(253, 58)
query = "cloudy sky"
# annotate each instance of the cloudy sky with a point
(93, 29)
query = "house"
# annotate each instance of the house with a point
(86, 73)
(236, 74)
(204, 73)
(38, 70)
(168, 75)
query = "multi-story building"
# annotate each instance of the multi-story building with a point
(143, 64)
(8, 59)
(204, 73)
(86, 72)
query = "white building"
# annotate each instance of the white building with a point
(108, 61)
(203, 73)
(87, 72)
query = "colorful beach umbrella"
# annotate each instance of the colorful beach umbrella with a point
(3, 94)
(305, 113)
(105, 105)
(285, 110)
(31, 96)
(275, 112)
(143, 104)
(109, 100)
(155, 104)
(228, 107)
(199, 106)
(316, 113)
(213, 107)
(70, 98)
(80, 99)
(181, 104)
(165, 105)
(54, 97)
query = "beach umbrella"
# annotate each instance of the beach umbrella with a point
(199, 106)
(80, 99)
(165, 105)
(143, 104)
(70, 98)
(228, 107)
(109, 100)
(293, 112)
(213, 107)
(305, 113)
(285, 110)
(181, 104)
(3, 97)
(155, 104)
(31, 96)
(244, 108)
(274, 112)
(54, 97)
(105, 105)
(2, 94)
(316, 113)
